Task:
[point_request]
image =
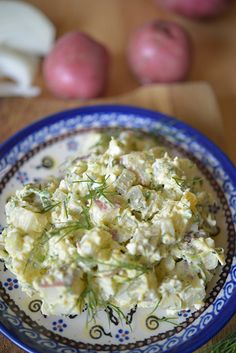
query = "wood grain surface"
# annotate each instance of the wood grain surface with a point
(194, 103)
(111, 22)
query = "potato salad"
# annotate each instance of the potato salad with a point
(127, 224)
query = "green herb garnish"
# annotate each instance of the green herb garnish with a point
(69, 228)
(227, 345)
(156, 306)
(187, 183)
(90, 298)
(41, 199)
(119, 265)
(96, 192)
(65, 208)
(49, 207)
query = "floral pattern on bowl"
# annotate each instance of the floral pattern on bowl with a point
(36, 153)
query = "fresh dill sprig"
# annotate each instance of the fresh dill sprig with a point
(89, 297)
(89, 180)
(35, 251)
(119, 265)
(187, 183)
(119, 312)
(39, 198)
(69, 228)
(226, 345)
(85, 212)
(164, 318)
(96, 192)
(156, 306)
(65, 208)
(49, 207)
(94, 303)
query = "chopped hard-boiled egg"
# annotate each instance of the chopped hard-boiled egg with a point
(128, 225)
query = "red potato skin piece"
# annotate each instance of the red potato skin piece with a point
(77, 67)
(195, 8)
(160, 51)
(101, 205)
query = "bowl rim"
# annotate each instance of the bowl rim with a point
(230, 309)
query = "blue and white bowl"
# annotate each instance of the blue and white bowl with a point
(35, 153)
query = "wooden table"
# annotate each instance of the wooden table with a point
(111, 21)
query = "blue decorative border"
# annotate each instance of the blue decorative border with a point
(193, 141)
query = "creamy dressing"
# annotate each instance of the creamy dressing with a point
(129, 224)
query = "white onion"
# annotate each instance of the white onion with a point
(25, 34)
(24, 27)
(18, 67)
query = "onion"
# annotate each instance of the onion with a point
(24, 27)
(25, 34)
(19, 67)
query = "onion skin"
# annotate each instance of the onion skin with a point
(160, 51)
(196, 8)
(77, 67)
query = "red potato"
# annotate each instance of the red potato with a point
(77, 67)
(195, 8)
(160, 51)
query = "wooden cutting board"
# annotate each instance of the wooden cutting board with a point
(193, 103)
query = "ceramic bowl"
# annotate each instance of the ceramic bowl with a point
(36, 152)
